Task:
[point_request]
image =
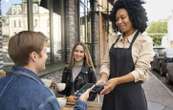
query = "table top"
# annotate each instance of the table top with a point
(91, 106)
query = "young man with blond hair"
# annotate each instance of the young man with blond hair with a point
(21, 88)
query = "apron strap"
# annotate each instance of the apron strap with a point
(134, 38)
(115, 41)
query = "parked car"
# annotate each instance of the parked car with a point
(169, 60)
(159, 62)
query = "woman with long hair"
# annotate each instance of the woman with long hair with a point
(79, 72)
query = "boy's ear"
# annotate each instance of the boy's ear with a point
(33, 56)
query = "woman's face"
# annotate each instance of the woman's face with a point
(78, 54)
(123, 22)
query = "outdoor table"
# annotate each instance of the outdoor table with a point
(91, 106)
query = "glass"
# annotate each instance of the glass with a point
(50, 27)
(85, 23)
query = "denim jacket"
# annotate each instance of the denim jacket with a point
(21, 89)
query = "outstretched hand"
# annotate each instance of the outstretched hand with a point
(109, 86)
(72, 99)
(84, 97)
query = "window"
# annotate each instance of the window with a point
(20, 23)
(15, 23)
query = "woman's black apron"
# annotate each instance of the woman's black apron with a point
(129, 96)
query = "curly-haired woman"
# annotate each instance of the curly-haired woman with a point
(128, 63)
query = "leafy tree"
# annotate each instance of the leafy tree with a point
(157, 29)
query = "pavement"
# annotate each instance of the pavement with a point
(159, 97)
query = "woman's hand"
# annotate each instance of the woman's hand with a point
(53, 85)
(103, 79)
(101, 82)
(2, 73)
(71, 99)
(109, 86)
(85, 95)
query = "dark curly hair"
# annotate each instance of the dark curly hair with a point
(135, 10)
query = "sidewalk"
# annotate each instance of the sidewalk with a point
(159, 97)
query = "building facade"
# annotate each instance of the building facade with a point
(64, 22)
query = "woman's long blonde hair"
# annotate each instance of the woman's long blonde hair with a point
(87, 57)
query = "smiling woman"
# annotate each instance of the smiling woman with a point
(79, 72)
(125, 66)
(78, 53)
